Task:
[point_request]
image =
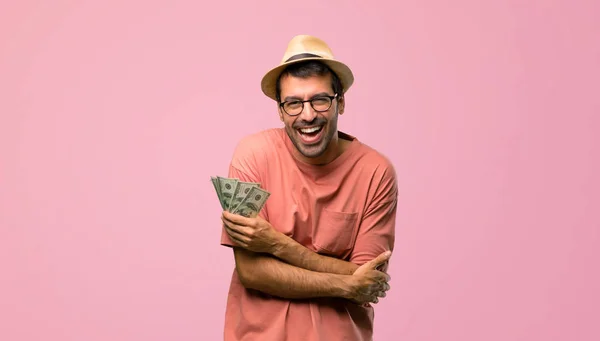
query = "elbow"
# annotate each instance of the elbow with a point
(245, 277)
(244, 268)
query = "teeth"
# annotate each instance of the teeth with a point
(310, 130)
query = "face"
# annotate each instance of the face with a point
(313, 133)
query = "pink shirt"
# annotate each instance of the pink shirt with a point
(345, 209)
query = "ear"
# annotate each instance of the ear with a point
(280, 111)
(341, 105)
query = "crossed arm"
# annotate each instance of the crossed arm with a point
(271, 262)
(298, 255)
(271, 275)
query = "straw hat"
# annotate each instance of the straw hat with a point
(302, 48)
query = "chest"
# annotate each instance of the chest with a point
(322, 213)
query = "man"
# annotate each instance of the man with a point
(311, 263)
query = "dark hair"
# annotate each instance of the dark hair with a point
(307, 69)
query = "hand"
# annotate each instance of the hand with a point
(253, 234)
(367, 283)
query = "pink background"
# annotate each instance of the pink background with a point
(113, 116)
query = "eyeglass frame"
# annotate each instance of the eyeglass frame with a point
(331, 98)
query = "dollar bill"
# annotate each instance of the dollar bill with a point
(215, 183)
(226, 189)
(252, 203)
(241, 190)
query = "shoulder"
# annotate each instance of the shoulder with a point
(256, 143)
(254, 148)
(376, 161)
(381, 172)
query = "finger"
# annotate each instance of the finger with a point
(381, 288)
(380, 260)
(378, 290)
(239, 242)
(236, 237)
(382, 266)
(386, 277)
(236, 218)
(239, 238)
(241, 229)
(231, 217)
(382, 277)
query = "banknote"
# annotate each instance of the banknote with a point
(241, 190)
(215, 183)
(252, 203)
(240, 197)
(226, 190)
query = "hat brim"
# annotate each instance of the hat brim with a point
(269, 81)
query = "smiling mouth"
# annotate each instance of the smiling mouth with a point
(312, 131)
(311, 135)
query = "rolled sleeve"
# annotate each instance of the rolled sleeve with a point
(244, 167)
(377, 230)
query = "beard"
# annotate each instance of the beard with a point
(317, 148)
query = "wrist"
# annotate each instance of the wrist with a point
(279, 243)
(345, 287)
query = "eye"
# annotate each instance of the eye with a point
(320, 101)
(294, 104)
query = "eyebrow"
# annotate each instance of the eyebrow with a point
(293, 98)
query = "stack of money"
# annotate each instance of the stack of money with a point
(239, 197)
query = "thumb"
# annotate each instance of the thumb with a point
(380, 260)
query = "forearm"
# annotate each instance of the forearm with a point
(296, 254)
(272, 276)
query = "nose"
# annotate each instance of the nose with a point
(308, 114)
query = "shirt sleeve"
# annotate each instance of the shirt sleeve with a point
(244, 166)
(242, 176)
(376, 232)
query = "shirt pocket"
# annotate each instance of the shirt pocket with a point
(335, 232)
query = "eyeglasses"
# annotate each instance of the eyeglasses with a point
(319, 104)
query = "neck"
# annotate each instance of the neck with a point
(335, 148)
